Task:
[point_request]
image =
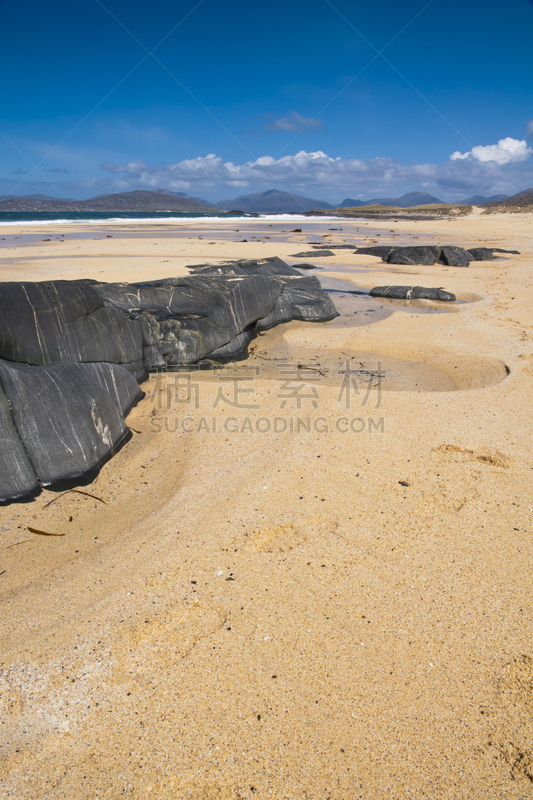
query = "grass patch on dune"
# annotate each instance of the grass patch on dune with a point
(430, 209)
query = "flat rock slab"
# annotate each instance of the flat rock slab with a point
(487, 253)
(381, 251)
(319, 252)
(333, 246)
(412, 293)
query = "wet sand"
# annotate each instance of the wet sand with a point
(308, 575)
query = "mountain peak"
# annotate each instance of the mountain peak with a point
(274, 202)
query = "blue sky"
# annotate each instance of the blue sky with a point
(329, 98)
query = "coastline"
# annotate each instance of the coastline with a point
(301, 611)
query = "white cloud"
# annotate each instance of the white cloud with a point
(491, 169)
(504, 152)
(294, 123)
(315, 171)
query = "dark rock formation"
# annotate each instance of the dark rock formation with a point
(71, 351)
(149, 325)
(302, 300)
(454, 256)
(301, 297)
(60, 421)
(313, 253)
(487, 253)
(381, 251)
(333, 246)
(411, 293)
(235, 347)
(450, 255)
(184, 320)
(413, 255)
(42, 323)
(481, 254)
(17, 476)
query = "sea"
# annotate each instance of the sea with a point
(51, 217)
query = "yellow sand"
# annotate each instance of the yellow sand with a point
(275, 614)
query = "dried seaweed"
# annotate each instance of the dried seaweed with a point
(43, 533)
(78, 491)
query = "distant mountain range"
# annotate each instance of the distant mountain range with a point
(405, 201)
(270, 202)
(523, 198)
(479, 200)
(274, 201)
(138, 200)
